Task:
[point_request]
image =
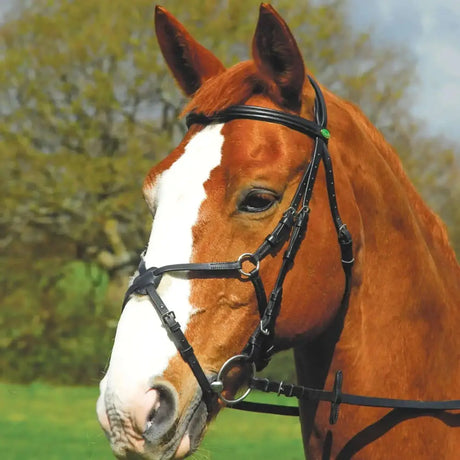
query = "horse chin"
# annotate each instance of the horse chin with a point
(185, 437)
(184, 448)
(194, 431)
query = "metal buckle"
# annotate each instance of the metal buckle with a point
(264, 331)
(218, 385)
(337, 398)
(169, 317)
(247, 256)
(280, 388)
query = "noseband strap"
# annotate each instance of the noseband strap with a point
(146, 283)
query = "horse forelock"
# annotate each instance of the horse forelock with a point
(234, 86)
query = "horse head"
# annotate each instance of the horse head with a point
(214, 199)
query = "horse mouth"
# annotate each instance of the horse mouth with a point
(185, 435)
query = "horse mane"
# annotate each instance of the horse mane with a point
(232, 87)
(432, 227)
(238, 83)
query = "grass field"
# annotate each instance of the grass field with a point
(59, 423)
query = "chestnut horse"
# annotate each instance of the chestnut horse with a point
(214, 198)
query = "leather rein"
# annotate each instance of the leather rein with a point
(290, 229)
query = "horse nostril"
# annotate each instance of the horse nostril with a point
(155, 415)
(149, 422)
(163, 414)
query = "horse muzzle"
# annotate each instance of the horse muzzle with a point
(149, 426)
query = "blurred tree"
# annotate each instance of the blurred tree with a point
(62, 328)
(87, 106)
(83, 118)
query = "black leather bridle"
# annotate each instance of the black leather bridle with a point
(291, 229)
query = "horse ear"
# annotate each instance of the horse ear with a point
(277, 56)
(190, 63)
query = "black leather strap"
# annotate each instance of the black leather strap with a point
(250, 112)
(175, 333)
(260, 293)
(292, 227)
(264, 408)
(335, 397)
(152, 276)
(146, 283)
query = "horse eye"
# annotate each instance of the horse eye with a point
(258, 200)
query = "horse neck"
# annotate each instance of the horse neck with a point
(403, 311)
(400, 335)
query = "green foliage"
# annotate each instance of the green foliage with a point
(77, 88)
(56, 323)
(87, 106)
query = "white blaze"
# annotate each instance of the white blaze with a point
(142, 348)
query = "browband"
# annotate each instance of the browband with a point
(251, 112)
(313, 129)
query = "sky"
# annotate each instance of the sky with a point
(430, 29)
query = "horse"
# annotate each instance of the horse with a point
(190, 314)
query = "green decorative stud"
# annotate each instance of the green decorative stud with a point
(326, 134)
